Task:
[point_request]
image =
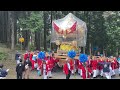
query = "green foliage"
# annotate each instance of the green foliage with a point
(31, 47)
(41, 48)
(33, 22)
(18, 46)
(113, 28)
(3, 56)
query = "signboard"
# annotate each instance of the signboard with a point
(21, 39)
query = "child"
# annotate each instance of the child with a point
(3, 72)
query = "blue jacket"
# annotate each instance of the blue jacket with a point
(3, 73)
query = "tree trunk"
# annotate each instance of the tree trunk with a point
(45, 27)
(15, 27)
(11, 14)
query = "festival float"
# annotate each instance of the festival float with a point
(68, 33)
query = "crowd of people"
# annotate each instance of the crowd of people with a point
(31, 62)
(95, 66)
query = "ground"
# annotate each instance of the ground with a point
(10, 63)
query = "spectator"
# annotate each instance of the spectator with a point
(27, 65)
(20, 69)
(17, 55)
(3, 72)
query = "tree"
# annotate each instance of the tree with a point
(113, 31)
(33, 22)
(11, 16)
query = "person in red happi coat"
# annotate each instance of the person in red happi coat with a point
(26, 55)
(31, 55)
(113, 67)
(100, 67)
(72, 64)
(67, 68)
(86, 70)
(39, 68)
(44, 69)
(94, 67)
(80, 68)
(90, 71)
(49, 65)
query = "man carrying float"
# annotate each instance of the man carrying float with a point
(69, 66)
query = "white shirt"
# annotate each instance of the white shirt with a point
(44, 66)
(68, 66)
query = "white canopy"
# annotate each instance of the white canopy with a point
(79, 34)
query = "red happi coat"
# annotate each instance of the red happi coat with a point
(79, 65)
(94, 64)
(39, 61)
(84, 72)
(76, 62)
(66, 69)
(100, 67)
(42, 69)
(88, 66)
(116, 64)
(48, 63)
(52, 62)
(31, 55)
(72, 64)
(113, 64)
(91, 61)
(57, 60)
(25, 56)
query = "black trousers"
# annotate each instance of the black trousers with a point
(19, 76)
(68, 75)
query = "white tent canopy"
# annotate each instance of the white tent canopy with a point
(79, 35)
